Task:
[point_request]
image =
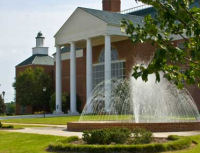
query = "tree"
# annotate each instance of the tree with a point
(65, 103)
(175, 18)
(10, 108)
(30, 85)
(2, 105)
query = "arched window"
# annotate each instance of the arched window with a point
(117, 67)
(114, 55)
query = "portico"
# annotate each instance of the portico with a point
(87, 28)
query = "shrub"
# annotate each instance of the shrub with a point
(173, 137)
(142, 136)
(7, 127)
(70, 139)
(107, 136)
(181, 143)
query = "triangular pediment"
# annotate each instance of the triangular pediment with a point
(80, 24)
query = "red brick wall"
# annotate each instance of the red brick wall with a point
(48, 69)
(112, 5)
(127, 51)
(80, 77)
(154, 127)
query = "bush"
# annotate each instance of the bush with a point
(10, 108)
(70, 139)
(173, 137)
(142, 136)
(6, 127)
(181, 143)
(107, 136)
(65, 103)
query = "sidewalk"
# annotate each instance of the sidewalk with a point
(31, 116)
(56, 131)
(47, 125)
(62, 131)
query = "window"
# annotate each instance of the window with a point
(181, 45)
(117, 68)
(114, 55)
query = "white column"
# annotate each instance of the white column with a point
(73, 110)
(89, 68)
(58, 81)
(107, 72)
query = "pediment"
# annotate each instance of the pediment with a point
(80, 25)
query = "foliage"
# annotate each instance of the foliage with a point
(142, 136)
(6, 126)
(181, 143)
(30, 85)
(10, 108)
(2, 105)
(173, 137)
(107, 136)
(70, 139)
(65, 103)
(174, 19)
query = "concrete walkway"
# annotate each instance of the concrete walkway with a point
(62, 131)
(31, 116)
(56, 131)
(45, 125)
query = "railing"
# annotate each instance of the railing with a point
(137, 8)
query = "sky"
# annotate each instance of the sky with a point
(21, 20)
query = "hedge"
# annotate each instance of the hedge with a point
(181, 143)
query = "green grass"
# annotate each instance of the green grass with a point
(195, 149)
(25, 143)
(52, 120)
(64, 120)
(34, 143)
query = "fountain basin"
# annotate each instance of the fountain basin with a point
(154, 127)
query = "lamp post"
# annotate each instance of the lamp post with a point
(44, 90)
(3, 94)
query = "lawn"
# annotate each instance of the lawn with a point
(50, 120)
(195, 149)
(64, 120)
(34, 143)
(25, 143)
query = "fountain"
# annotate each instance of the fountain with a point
(159, 107)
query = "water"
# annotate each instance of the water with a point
(136, 101)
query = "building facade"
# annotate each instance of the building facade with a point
(91, 47)
(39, 58)
(106, 52)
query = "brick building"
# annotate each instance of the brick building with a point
(106, 52)
(91, 47)
(39, 58)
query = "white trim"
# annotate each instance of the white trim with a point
(116, 61)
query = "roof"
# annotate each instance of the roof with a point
(113, 18)
(143, 12)
(152, 11)
(38, 60)
(66, 49)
